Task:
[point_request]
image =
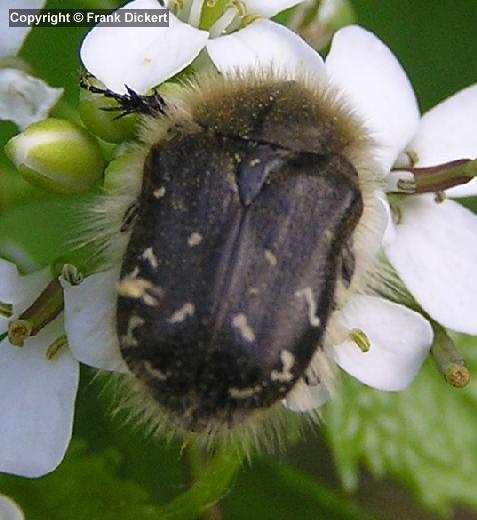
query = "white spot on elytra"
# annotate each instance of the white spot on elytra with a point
(134, 273)
(284, 375)
(149, 255)
(159, 193)
(270, 258)
(188, 309)
(134, 322)
(139, 288)
(195, 239)
(239, 322)
(154, 372)
(307, 293)
(244, 393)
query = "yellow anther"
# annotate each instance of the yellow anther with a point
(55, 347)
(240, 7)
(360, 339)
(6, 310)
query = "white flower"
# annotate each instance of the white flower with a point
(24, 99)
(9, 510)
(144, 57)
(12, 38)
(37, 394)
(433, 247)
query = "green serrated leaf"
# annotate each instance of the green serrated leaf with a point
(424, 437)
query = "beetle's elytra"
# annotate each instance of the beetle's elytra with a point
(244, 234)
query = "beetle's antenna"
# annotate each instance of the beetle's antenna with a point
(130, 103)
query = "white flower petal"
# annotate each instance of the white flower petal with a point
(262, 45)
(446, 133)
(304, 397)
(377, 87)
(9, 510)
(434, 252)
(464, 190)
(25, 99)
(400, 341)
(90, 321)
(11, 38)
(16, 289)
(268, 8)
(141, 57)
(36, 404)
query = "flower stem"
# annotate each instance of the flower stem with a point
(210, 485)
(447, 358)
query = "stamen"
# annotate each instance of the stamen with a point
(220, 25)
(248, 19)
(195, 12)
(71, 274)
(211, 3)
(448, 359)
(19, 331)
(176, 6)
(405, 161)
(407, 185)
(361, 340)
(239, 6)
(6, 310)
(55, 347)
(400, 181)
(396, 214)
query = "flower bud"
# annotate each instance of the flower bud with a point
(58, 156)
(103, 123)
(317, 21)
(119, 170)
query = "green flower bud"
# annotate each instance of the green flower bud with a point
(317, 21)
(103, 123)
(211, 11)
(58, 156)
(120, 169)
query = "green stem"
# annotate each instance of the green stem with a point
(197, 465)
(447, 358)
(210, 486)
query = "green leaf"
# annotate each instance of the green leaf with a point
(424, 437)
(279, 491)
(84, 487)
